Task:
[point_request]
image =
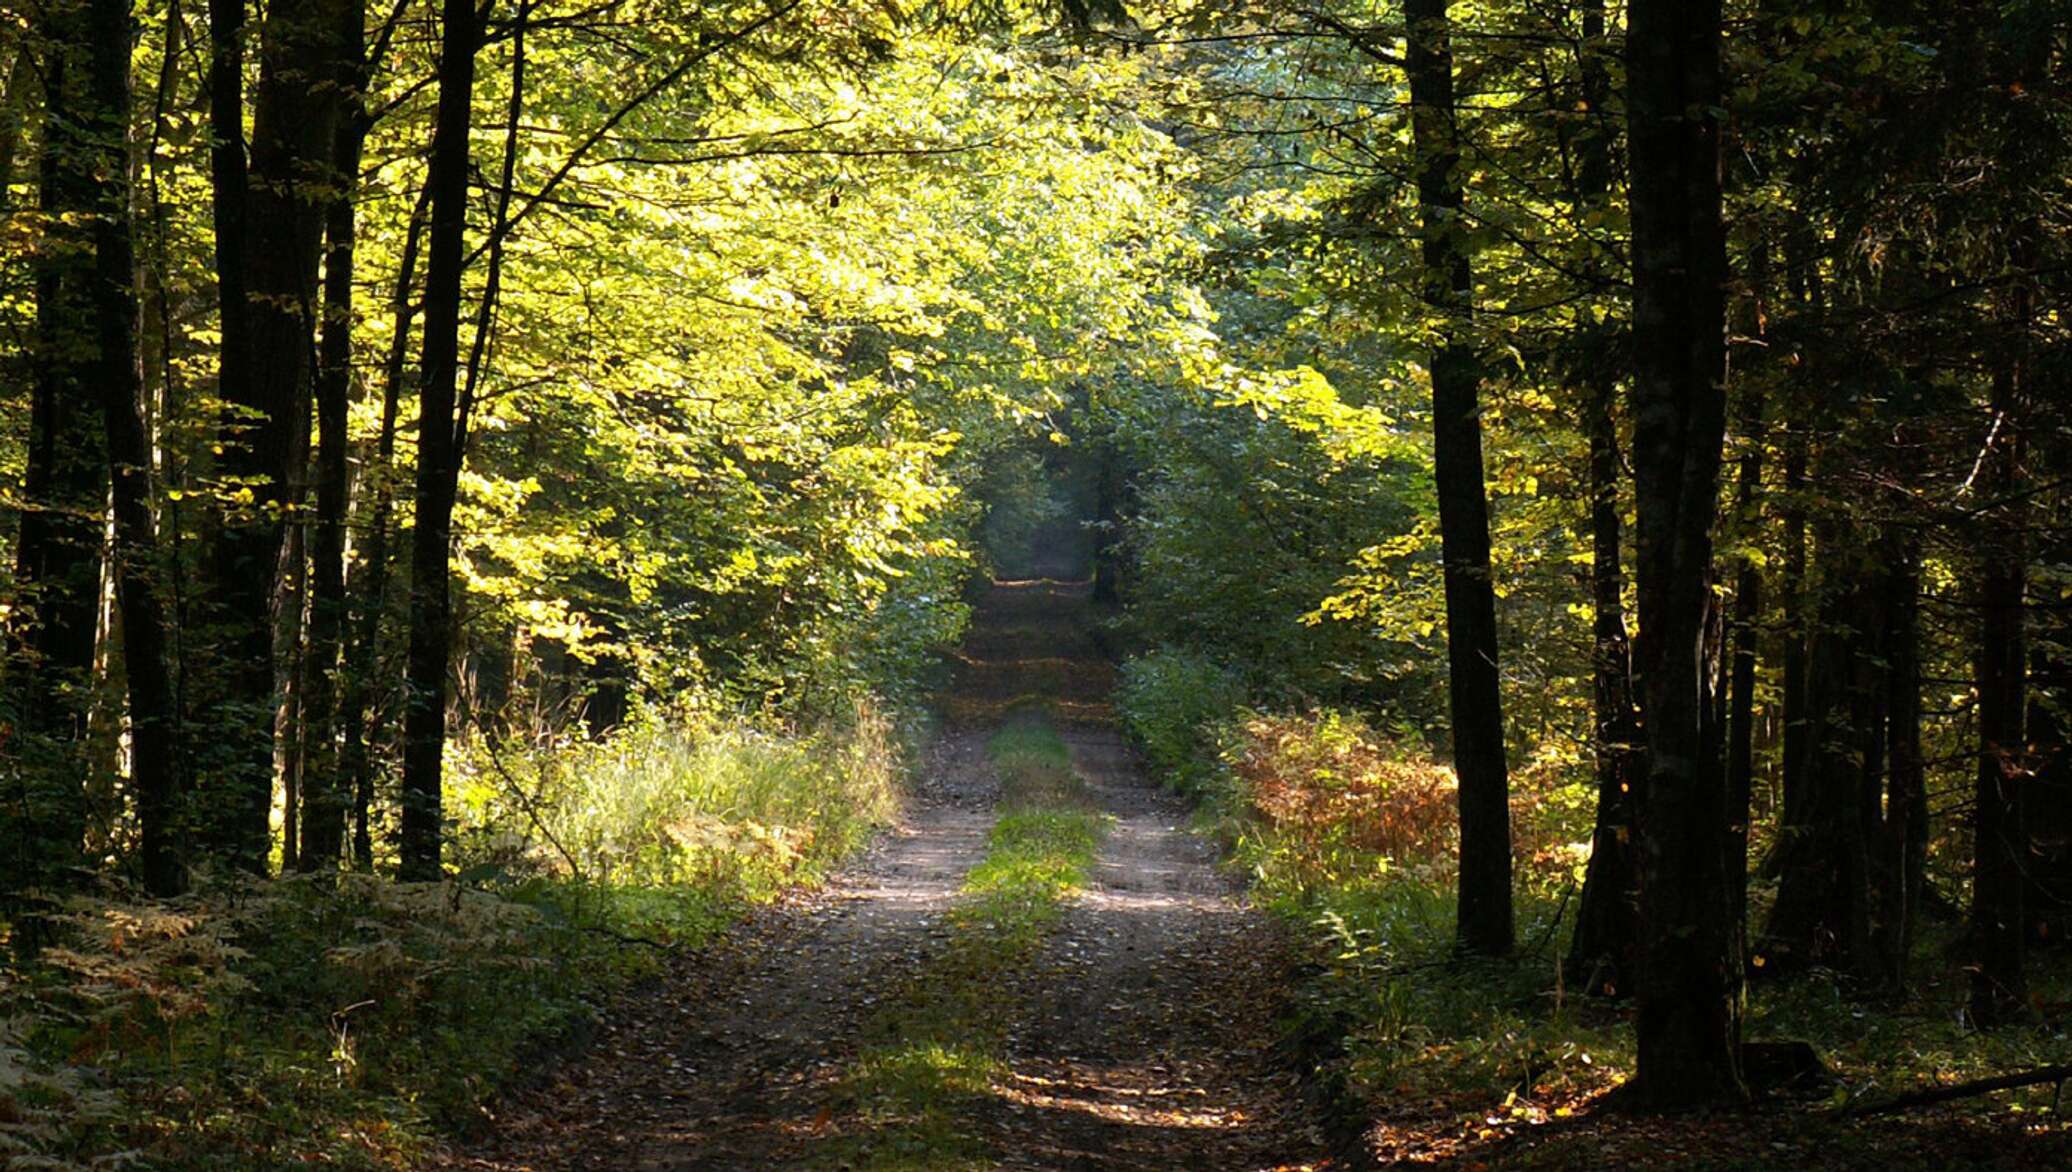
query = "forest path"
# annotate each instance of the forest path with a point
(1138, 1038)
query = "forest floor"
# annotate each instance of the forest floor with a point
(1136, 1033)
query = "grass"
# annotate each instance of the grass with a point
(352, 1022)
(934, 1053)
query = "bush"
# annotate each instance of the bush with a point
(1172, 703)
(1342, 801)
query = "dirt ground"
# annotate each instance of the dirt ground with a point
(1140, 1038)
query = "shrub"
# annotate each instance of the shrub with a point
(1337, 796)
(1172, 703)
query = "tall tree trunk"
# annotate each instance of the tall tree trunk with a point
(438, 450)
(266, 433)
(154, 747)
(57, 551)
(1689, 1024)
(1743, 632)
(370, 580)
(233, 811)
(323, 823)
(1903, 847)
(1485, 921)
(290, 667)
(1795, 759)
(1823, 910)
(1999, 986)
(1600, 957)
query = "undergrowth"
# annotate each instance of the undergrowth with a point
(348, 1021)
(1349, 835)
(935, 1050)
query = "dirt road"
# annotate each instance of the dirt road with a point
(1138, 1038)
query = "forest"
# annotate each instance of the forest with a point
(1035, 584)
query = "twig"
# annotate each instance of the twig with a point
(531, 807)
(1981, 1086)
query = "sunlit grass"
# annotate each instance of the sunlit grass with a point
(676, 825)
(936, 1048)
(353, 1022)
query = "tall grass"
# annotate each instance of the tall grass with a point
(680, 801)
(348, 1021)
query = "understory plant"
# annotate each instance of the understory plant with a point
(347, 1020)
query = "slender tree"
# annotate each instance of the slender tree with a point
(1471, 636)
(1999, 985)
(438, 447)
(153, 719)
(1600, 949)
(57, 551)
(323, 822)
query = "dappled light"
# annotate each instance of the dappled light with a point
(1035, 585)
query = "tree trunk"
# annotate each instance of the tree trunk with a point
(290, 668)
(1600, 957)
(323, 823)
(1903, 847)
(438, 450)
(265, 431)
(154, 745)
(238, 696)
(1689, 1024)
(1795, 760)
(1743, 631)
(1999, 986)
(57, 552)
(1485, 925)
(370, 580)
(1823, 911)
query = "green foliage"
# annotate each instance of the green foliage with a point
(1172, 703)
(1022, 505)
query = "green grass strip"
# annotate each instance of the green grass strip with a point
(936, 1050)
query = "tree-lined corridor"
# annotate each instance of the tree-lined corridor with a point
(1079, 583)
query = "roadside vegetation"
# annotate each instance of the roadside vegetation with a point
(349, 1021)
(1348, 833)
